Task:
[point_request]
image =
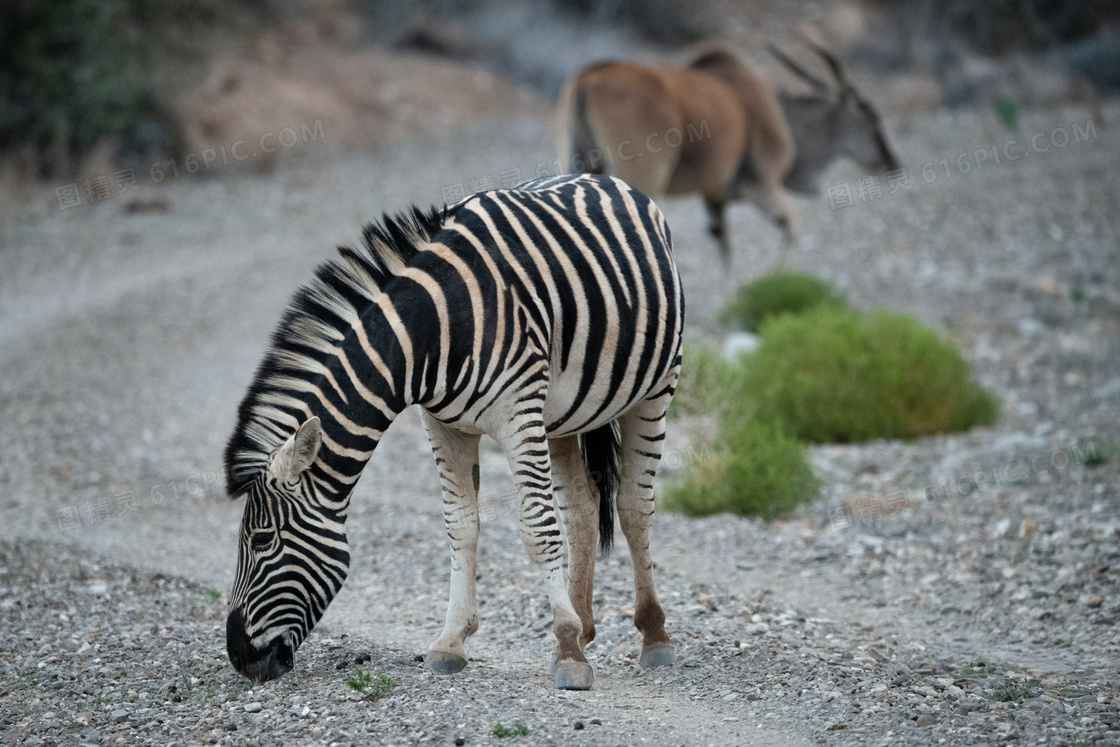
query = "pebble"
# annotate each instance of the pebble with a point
(254, 707)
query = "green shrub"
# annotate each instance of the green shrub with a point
(833, 375)
(705, 382)
(779, 293)
(756, 469)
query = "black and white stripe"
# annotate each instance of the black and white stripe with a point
(533, 315)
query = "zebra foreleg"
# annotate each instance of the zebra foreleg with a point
(527, 450)
(456, 456)
(643, 433)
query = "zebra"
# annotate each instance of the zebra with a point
(549, 317)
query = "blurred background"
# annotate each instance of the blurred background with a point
(126, 83)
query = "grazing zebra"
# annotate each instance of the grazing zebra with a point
(548, 317)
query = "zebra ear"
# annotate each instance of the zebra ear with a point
(299, 451)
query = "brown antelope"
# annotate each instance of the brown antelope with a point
(716, 128)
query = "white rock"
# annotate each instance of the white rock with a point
(737, 344)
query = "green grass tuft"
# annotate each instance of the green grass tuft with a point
(779, 293)
(756, 470)
(1014, 691)
(1007, 112)
(976, 671)
(833, 375)
(212, 594)
(519, 729)
(359, 682)
(373, 688)
(1099, 452)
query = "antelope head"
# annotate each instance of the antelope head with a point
(856, 127)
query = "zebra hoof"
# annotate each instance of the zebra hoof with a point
(658, 655)
(574, 675)
(445, 662)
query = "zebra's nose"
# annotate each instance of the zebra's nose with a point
(260, 665)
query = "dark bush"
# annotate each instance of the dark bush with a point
(68, 79)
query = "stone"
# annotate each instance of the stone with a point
(737, 344)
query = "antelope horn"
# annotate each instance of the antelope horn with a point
(833, 65)
(797, 69)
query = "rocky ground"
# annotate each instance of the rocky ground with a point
(954, 590)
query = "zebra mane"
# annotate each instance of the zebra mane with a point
(317, 318)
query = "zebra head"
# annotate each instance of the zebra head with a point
(291, 561)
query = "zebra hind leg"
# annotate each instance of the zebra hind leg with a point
(456, 456)
(643, 434)
(578, 502)
(526, 448)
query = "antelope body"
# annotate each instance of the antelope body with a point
(716, 128)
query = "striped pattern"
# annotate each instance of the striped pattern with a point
(532, 315)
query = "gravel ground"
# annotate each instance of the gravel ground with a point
(983, 609)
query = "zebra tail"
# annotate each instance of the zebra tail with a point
(601, 451)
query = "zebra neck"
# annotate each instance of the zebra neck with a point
(380, 368)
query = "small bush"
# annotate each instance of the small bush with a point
(780, 293)
(836, 376)
(756, 469)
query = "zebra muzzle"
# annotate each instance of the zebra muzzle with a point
(260, 665)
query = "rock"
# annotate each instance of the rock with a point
(737, 344)
(119, 715)
(254, 707)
